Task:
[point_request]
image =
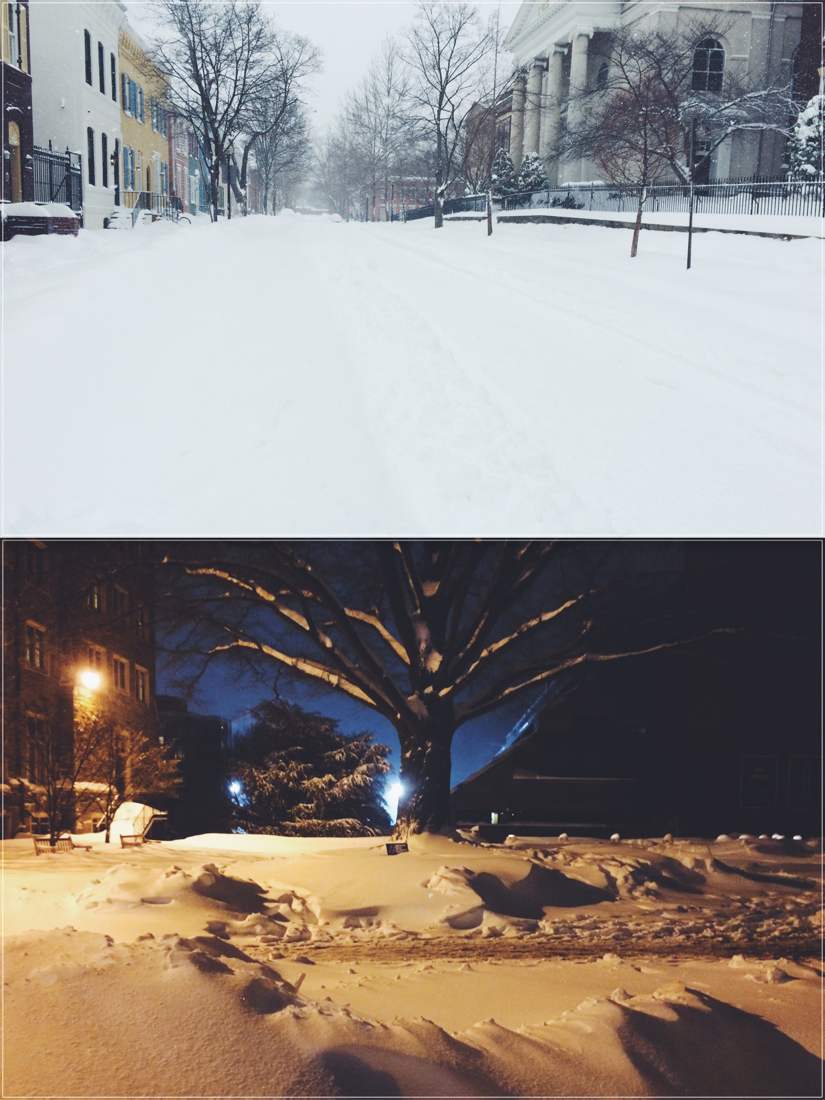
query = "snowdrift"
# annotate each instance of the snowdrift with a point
(267, 966)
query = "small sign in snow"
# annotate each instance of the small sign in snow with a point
(394, 849)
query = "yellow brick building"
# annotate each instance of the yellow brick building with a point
(144, 120)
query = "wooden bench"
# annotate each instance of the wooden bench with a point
(62, 844)
(131, 840)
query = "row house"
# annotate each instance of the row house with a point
(559, 45)
(79, 633)
(145, 125)
(75, 93)
(18, 139)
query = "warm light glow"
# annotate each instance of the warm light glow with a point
(90, 679)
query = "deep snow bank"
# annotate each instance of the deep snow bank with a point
(219, 966)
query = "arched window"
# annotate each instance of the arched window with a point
(601, 77)
(90, 138)
(708, 66)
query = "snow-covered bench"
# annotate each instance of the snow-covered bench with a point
(62, 844)
(131, 840)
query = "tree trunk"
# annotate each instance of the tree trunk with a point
(638, 224)
(424, 806)
(489, 213)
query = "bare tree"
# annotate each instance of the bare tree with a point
(219, 61)
(284, 150)
(127, 766)
(275, 112)
(429, 635)
(98, 768)
(447, 46)
(636, 125)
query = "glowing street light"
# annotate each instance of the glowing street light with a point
(90, 679)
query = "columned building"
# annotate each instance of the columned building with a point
(559, 47)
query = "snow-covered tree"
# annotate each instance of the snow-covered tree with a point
(300, 777)
(429, 634)
(805, 147)
(503, 179)
(533, 175)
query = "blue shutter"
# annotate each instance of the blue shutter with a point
(125, 167)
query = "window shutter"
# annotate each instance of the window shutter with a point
(140, 94)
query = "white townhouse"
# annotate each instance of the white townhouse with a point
(559, 43)
(75, 99)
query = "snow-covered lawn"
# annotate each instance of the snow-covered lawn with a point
(264, 966)
(306, 376)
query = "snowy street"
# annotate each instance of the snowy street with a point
(300, 375)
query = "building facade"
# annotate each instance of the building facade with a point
(18, 133)
(75, 95)
(145, 124)
(561, 45)
(79, 637)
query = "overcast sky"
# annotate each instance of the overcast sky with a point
(348, 32)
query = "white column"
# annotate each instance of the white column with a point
(517, 121)
(532, 108)
(552, 110)
(578, 83)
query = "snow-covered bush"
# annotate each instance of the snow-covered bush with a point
(503, 178)
(295, 775)
(805, 146)
(533, 175)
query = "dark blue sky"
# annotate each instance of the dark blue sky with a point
(222, 692)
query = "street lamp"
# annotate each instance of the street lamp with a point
(90, 679)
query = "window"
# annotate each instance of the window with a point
(94, 598)
(36, 647)
(141, 685)
(154, 112)
(140, 97)
(95, 657)
(708, 66)
(138, 171)
(601, 77)
(14, 53)
(119, 600)
(104, 160)
(124, 91)
(133, 97)
(114, 77)
(34, 562)
(90, 141)
(37, 741)
(101, 67)
(120, 674)
(88, 42)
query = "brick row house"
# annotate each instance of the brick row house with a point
(18, 140)
(79, 638)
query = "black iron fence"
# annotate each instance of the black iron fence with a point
(163, 206)
(465, 205)
(733, 196)
(754, 195)
(58, 178)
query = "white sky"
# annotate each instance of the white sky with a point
(348, 32)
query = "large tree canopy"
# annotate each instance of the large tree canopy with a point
(430, 634)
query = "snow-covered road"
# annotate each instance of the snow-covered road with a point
(304, 376)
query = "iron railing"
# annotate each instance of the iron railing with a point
(58, 177)
(164, 206)
(463, 205)
(753, 195)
